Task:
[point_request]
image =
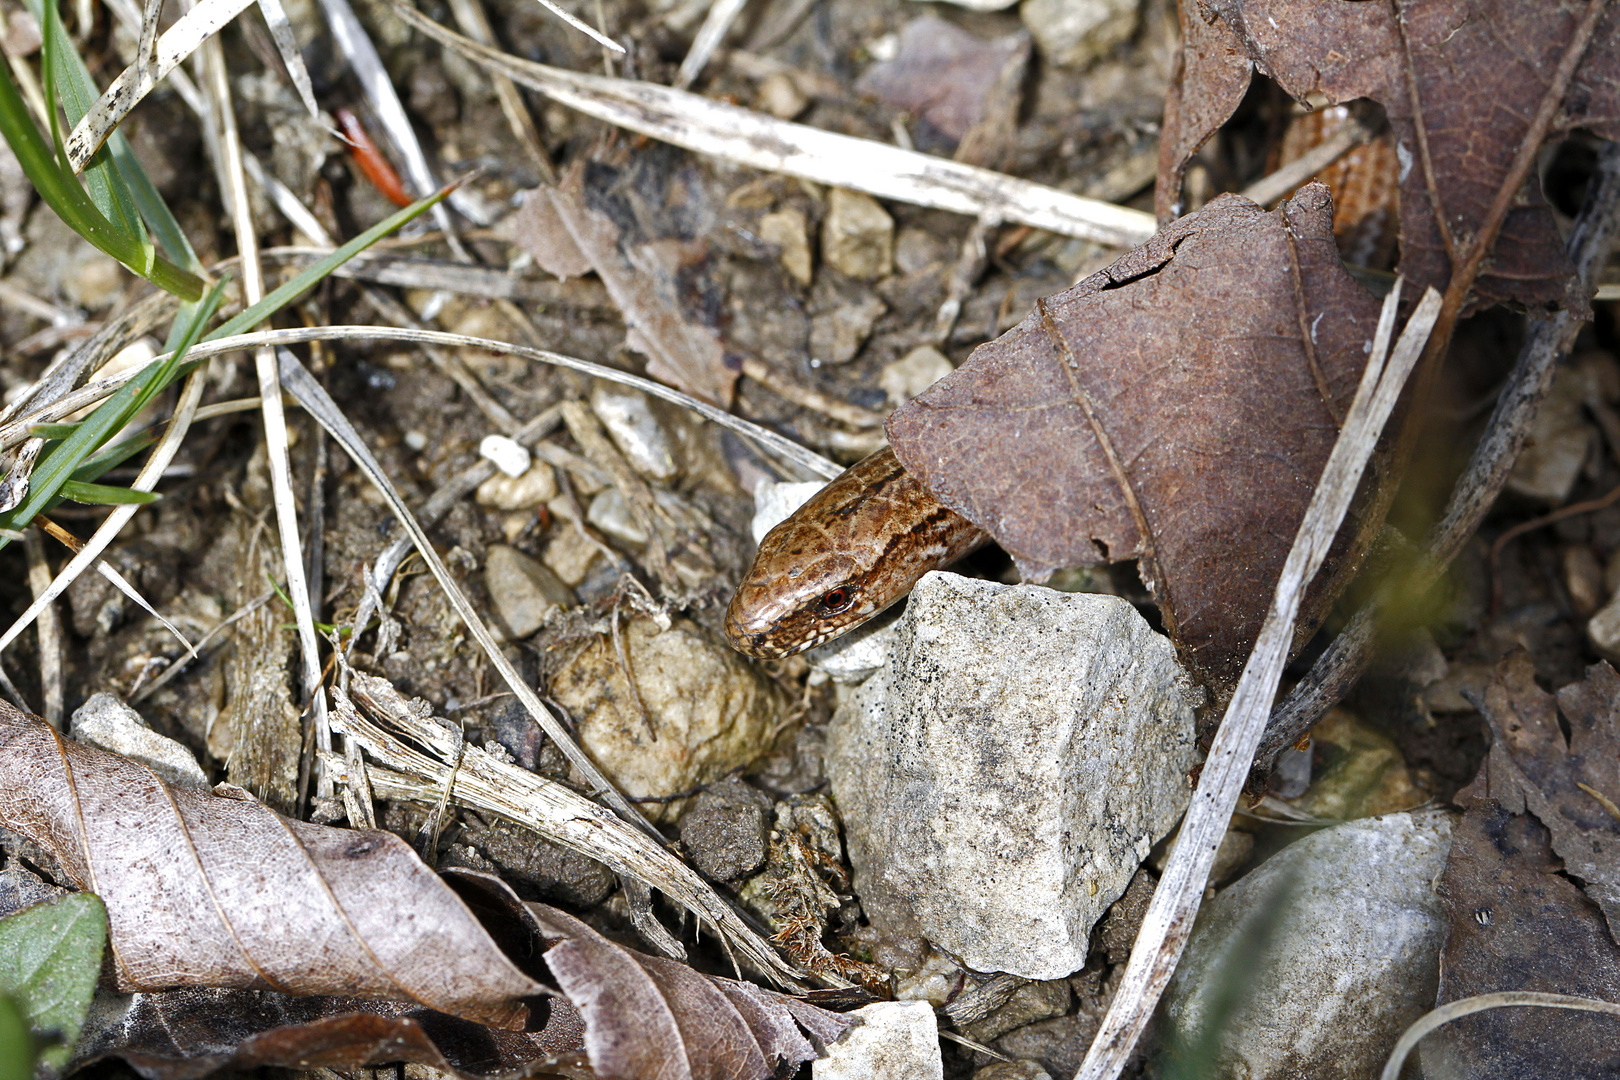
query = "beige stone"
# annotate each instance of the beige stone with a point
(536, 487)
(780, 96)
(787, 229)
(523, 591)
(857, 237)
(1073, 33)
(708, 711)
(913, 373)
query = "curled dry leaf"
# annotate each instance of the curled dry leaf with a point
(216, 889)
(647, 1018)
(567, 236)
(1516, 923)
(1571, 785)
(1177, 408)
(1460, 81)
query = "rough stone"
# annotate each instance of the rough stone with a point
(1560, 440)
(708, 713)
(108, 724)
(780, 96)
(837, 335)
(524, 592)
(895, 1040)
(857, 236)
(913, 373)
(787, 229)
(1347, 927)
(1059, 1044)
(1073, 33)
(536, 487)
(1005, 775)
(726, 829)
(1013, 1070)
(635, 430)
(1603, 630)
(555, 872)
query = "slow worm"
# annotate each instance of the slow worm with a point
(856, 547)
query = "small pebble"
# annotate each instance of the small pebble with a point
(857, 236)
(1583, 577)
(1022, 1069)
(108, 724)
(895, 1040)
(780, 96)
(1073, 33)
(1560, 440)
(773, 503)
(913, 373)
(788, 230)
(509, 456)
(725, 830)
(837, 335)
(1347, 927)
(611, 514)
(637, 433)
(536, 487)
(570, 557)
(709, 712)
(1004, 776)
(524, 592)
(415, 440)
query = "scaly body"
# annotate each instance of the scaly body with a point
(856, 547)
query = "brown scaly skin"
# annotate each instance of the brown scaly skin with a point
(856, 547)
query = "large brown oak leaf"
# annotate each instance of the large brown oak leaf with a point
(1176, 408)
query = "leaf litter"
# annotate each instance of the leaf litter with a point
(1172, 567)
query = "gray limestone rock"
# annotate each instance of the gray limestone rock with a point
(1005, 775)
(1333, 944)
(895, 1040)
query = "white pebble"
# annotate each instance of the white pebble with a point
(509, 456)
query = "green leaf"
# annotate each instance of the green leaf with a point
(50, 959)
(51, 431)
(105, 494)
(17, 1046)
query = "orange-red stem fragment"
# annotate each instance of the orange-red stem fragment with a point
(371, 159)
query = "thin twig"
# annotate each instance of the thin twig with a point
(1331, 677)
(1572, 510)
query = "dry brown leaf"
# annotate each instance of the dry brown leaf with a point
(191, 1033)
(567, 236)
(1460, 81)
(943, 74)
(216, 889)
(1177, 408)
(647, 1018)
(1572, 785)
(1515, 923)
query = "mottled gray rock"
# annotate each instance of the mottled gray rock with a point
(108, 724)
(1075, 32)
(725, 830)
(524, 591)
(637, 432)
(1004, 776)
(1335, 943)
(895, 1040)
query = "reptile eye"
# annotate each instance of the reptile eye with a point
(835, 601)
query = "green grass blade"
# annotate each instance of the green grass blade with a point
(51, 431)
(112, 456)
(154, 211)
(68, 81)
(58, 464)
(312, 274)
(104, 494)
(61, 191)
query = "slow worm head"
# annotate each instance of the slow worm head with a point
(856, 547)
